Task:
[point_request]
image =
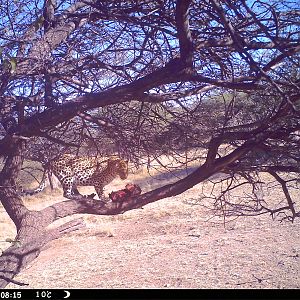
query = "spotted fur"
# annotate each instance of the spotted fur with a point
(40, 188)
(74, 171)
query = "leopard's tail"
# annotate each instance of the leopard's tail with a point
(40, 188)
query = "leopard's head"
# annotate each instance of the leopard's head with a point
(120, 166)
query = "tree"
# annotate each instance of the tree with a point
(215, 82)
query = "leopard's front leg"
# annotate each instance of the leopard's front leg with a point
(99, 191)
(70, 190)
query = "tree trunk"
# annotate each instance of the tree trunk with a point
(31, 225)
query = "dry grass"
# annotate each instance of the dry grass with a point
(167, 244)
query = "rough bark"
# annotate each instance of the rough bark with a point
(32, 232)
(32, 225)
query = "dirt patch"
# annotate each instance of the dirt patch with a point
(170, 244)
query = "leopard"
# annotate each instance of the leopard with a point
(73, 171)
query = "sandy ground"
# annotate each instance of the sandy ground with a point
(167, 244)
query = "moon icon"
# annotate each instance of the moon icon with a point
(68, 294)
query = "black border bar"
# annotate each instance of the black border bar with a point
(147, 294)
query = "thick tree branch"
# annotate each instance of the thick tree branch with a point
(147, 79)
(17, 257)
(183, 31)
